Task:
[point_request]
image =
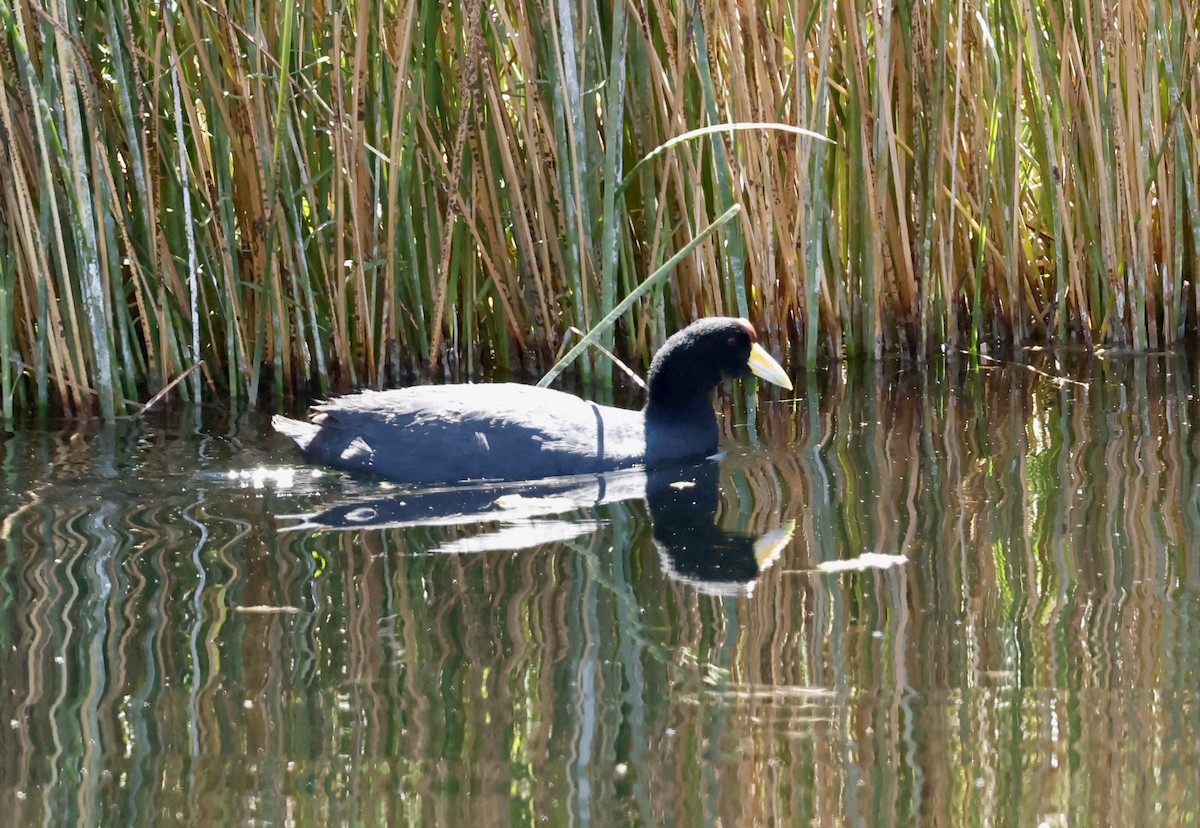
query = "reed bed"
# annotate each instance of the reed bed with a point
(302, 197)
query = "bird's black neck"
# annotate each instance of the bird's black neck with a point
(681, 428)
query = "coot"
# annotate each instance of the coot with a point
(508, 431)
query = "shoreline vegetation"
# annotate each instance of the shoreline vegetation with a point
(300, 198)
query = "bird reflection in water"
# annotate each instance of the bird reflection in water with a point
(682, 500)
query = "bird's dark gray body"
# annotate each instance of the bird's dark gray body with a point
(485, 431)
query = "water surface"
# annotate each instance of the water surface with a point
(1023, 648)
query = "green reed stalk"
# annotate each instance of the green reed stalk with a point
(735, 246)
(571, 150)
(614, 111)
(932, 314)
(986, 175)
(185, 192)
(8, 374)
(819, 218)
(1188, 192)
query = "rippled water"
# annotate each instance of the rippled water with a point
(196, 627)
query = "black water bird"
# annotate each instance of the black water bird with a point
(508, 431)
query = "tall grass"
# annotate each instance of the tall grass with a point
(307, 197)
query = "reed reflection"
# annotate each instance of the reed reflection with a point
(165, 649)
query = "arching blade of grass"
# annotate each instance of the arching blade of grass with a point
(625, 304)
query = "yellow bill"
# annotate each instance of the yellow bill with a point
(763, 366)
